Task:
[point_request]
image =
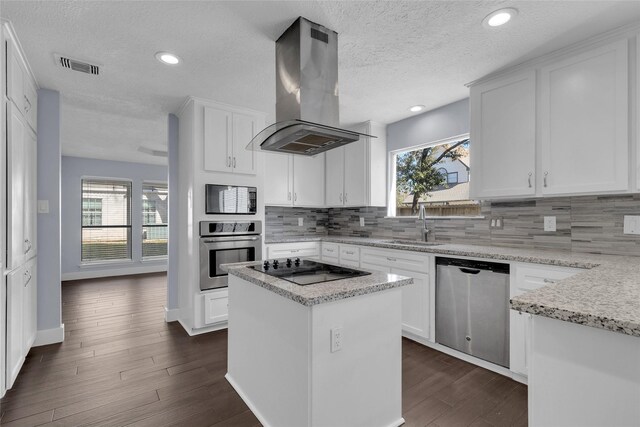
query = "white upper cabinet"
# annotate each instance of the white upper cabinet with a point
(278, 179)
(356, 173)
(226, 135)
(308, 180)
(584, 111)
(503, 137)
(20, 87)
(558, 127)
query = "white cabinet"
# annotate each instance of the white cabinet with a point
(20, 88)
(30, 194)
(16, 137)
(226, 135)
(294, 180)
(503, 137)
(525, 278)
(416, 297)
(29, 305)
(15, 324)
(216, 306)
(584, 112)
(330, 252)
(293, 250)
(356, 173)
(339, 253)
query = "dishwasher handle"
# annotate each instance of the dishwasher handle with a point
(469, 270)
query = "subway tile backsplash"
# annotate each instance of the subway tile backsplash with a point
(590, 224)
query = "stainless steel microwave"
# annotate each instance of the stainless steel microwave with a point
(230, 199)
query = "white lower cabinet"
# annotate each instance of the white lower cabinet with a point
(216, 306)
(415, 298)
(293, 250)
(525, 278)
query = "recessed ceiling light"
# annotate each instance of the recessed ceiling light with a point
(416, 108)
(499, 17)
(167, 58)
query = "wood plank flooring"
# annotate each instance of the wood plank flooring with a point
(121, 364)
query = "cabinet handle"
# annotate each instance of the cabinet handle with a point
(340, 197)
(345, 197)
(234, 162)
(27, 242)
(26, 100)
(27, 275)
(549, 281)
(329, 250)
(289, 195)
(294, 251)
(530, 173)
(349, 252)
(391, 259)
(545, 178)
(229, 162)
(295, 197)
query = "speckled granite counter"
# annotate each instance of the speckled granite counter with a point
(606, 295)
(320, 292)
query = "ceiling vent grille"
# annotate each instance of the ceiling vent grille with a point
(75, 65)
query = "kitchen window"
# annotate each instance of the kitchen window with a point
(155, 205)
(436, 175)
(106, 220)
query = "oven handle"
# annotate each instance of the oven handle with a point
(229, 239)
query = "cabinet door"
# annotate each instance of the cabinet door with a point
(15, 77)
(503, 137)
(244, 129)
(216, 307)
(277, 181)
(30, 193)
(519, 341)
(31, 103)
(415, 303)
(355, 159)
(29, 306)
(15, 325)
(584, 114)
(308, 180)
(16, 135)
(335, 177)
(217, 140)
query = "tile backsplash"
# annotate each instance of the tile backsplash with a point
(591, 224)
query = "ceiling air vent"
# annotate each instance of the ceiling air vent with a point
(75, 65)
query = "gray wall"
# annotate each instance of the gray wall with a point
(172, 266)
(49, 300)
(73, 170)
(434, 125)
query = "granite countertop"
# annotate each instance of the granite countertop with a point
(606, 295)
(318, 293)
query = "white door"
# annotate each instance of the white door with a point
(29, 306)
(277, 179)
(16, 137)
(15, 324)
(244, 129)
(584, 115)
(415, 303)
(30, 193)
(503, 131)
(217, 140)
(355, 169)
(308, 180)
(335, 177)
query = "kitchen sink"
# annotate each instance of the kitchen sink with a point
(411, 242)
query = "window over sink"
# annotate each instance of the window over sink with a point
(435, 175)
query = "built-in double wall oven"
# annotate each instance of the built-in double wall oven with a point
(223, 242)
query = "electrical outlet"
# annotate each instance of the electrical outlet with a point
(300, 222)
(336, 339)
(549, 223)
(631, 224)
(361, 221)
(496, 223)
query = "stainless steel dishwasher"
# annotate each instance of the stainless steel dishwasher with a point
(472, 308)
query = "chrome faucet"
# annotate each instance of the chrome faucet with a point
(423, 216)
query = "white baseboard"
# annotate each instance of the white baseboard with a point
(247, 401)
(49, 336)
(193, 332)
(171, 314)
(112, 272)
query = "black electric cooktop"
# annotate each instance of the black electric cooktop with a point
(305, 272)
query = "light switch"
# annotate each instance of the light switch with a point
(43, 206)
(631, 224)
(549, 223)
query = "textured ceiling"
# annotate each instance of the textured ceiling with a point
(391, 55)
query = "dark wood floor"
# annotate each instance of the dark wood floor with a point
(121, 364)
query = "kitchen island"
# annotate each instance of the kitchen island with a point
(327, 354)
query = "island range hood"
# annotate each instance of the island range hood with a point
(307, 116)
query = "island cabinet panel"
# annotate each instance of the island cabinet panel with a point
(525, 278)
(503, 135)
(415, 298)
(582, 376)
(584, 122)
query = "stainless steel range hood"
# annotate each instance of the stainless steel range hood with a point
(307, 117)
